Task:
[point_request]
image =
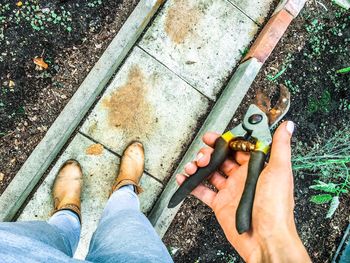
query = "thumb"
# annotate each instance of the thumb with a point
(281, 149)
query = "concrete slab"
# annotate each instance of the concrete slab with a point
(256, 10)
(99, 168)
(200, 40)
(149, 103)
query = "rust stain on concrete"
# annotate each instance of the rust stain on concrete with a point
(129, 108)
(94, 149)
(181, 19)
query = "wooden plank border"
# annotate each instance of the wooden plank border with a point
(68, 120)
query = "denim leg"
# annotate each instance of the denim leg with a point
(35, 239)
(123, 199)
(124, 234)
(69, 225)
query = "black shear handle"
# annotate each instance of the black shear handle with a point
(221, 150)
(244, 210)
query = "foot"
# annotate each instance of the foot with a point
(67, 188)
(131, 167)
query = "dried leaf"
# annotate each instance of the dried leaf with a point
(19, 3)
(41, 63)
(11, 84)
(1, 177)
(94, 149)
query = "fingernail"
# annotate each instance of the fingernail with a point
(199, 156)
(290, 127)
(188, 165)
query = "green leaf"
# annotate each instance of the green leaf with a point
(343, 70)
(325, 187)
(321, 199)
(273, 78)
(343, 191)
(334, 205)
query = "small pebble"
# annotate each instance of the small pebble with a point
(2, 176)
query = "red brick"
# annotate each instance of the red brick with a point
(269, 36)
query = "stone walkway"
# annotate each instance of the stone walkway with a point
(159, 96)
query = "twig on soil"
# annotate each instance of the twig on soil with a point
(321, 4)
(6, 135)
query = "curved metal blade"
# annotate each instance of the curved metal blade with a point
(281, 107)
(262, 101)
(279, 110)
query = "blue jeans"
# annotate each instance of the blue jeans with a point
(124, 234)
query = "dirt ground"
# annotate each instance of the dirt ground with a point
(313, 48)
(70, 36)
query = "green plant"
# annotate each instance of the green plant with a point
(39, 18)
(273, 78)
(94, 3)
(344, 105)
(293, 88)
(284, 66)
(320, 104)
(331, 192)
(330, 162)
(244, 52)
(317, 40)
(343, 70)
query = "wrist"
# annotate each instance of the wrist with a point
(280, 248)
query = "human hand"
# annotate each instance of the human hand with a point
(273, 236)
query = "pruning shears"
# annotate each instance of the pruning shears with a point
(252, 135)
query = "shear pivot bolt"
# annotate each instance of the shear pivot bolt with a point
(255, 119)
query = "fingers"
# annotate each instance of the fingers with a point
(203, 157)
(242, 157)
(281, 149)
(210, 137)
(229, 166)
(202, 192)
(190, 168)
(217, 180)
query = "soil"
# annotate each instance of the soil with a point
(69, 36)
(314, 47)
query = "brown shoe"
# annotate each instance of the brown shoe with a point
(131, 167)
(67, 188)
